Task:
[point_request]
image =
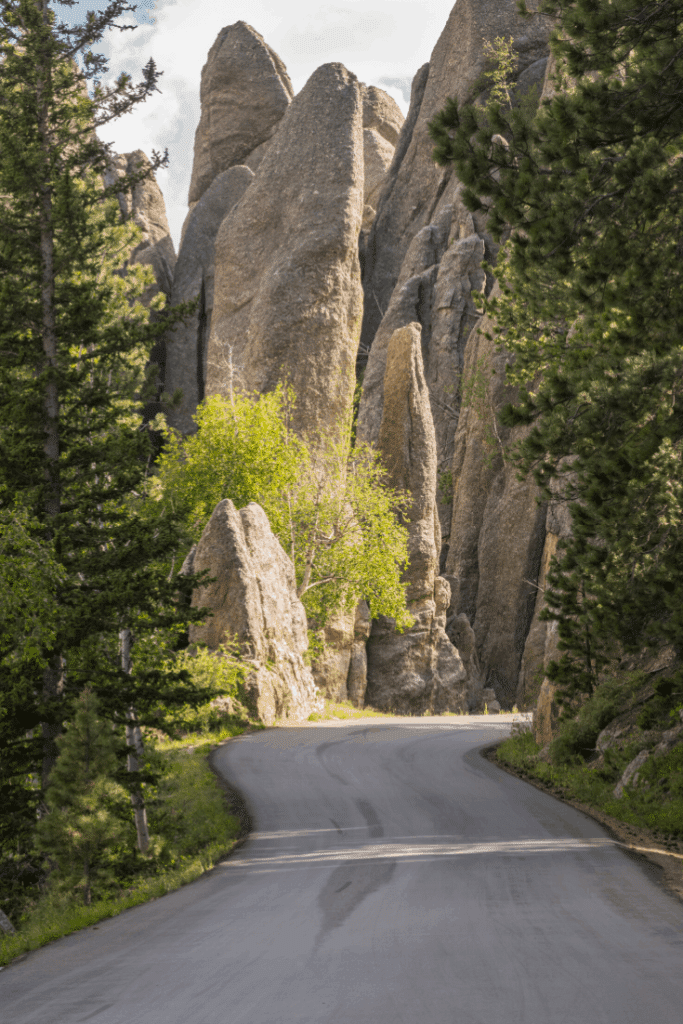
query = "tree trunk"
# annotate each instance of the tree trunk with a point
(134, 739)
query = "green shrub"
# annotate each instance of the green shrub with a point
(576, 737)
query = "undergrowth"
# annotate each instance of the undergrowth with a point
(655, 802)
(189, 824)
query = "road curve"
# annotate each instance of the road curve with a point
(394, 875)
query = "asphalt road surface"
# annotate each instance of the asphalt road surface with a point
(394, 875)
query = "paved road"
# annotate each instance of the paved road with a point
(395, 876)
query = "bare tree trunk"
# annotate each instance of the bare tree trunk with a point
(134, 739)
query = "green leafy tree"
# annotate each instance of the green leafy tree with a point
(326, 502)
(85, 820)
(589, 192)
(75, 341)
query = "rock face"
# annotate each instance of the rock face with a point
(148, 210)
(254, 602)
(194, 274)
(424, 252)
(245, 91)
(287, 297)
(415, 186)
(423, 261)
(497, 528)
(341, 671)
(418, 670)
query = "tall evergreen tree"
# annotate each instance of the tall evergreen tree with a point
(74, 451)
(590, 191)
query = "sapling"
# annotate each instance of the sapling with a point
(81, 825)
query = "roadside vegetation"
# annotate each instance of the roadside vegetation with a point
(191, 823)
(576, 769)
(582, 192)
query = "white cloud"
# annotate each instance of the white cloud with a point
(383, 42)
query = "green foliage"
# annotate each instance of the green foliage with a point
(82, 824)
(77, 523)
(193, 828)
(502, 55)
(29, 577)
(477, 396)
(326, 501)
(219, 677)
(588, 195)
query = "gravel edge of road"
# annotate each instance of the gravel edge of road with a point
(639, 843)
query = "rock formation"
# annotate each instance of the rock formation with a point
(254, 602)
(147, 209)
(245, 91)
(497, 528)
(422, 262)
(187, 344)
(341, 670)
(418, 670)
(288, 300)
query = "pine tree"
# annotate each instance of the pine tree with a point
(589, 192)
(84, 821)
(74, 451)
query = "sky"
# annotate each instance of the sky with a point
(383, 42)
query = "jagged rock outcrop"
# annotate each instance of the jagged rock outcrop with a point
(187, 344)
(245, 90)
(382, 123)
(288, 299)
(147, 209)
(416, 185)
(254, 602)
(423, 261)
(424, 252)
(418, 670)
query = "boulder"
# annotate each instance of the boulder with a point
(288, 298)
(418, 670)
(194, 274)
(245, 90)
(630, 776)
(253, 600)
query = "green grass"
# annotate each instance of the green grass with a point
(190, 827)
(656, 803)
(345, 709)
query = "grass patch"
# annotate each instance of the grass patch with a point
(191, 830)
(345, 710)
(655, 803)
